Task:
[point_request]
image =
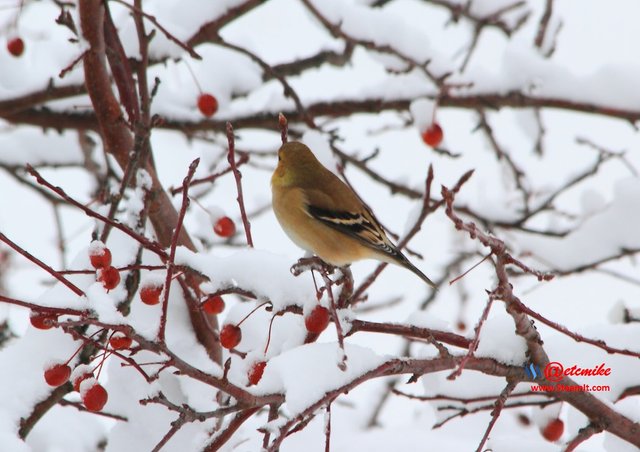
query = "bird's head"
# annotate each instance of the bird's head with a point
(296, 163)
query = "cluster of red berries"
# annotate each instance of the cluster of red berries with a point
(100, 257)
(316, 322)
(94, 396)
(231, 335)
(15, 46)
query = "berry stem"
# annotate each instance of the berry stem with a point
(266, 347)
(252, 311)
(85, 340)
(193, 75)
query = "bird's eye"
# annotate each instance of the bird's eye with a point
(279, 157)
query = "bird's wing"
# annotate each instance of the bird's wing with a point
(361, 226)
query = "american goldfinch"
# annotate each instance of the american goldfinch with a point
(321, 214)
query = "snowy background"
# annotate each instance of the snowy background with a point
(550, 131)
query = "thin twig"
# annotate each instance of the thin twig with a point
(75, 289)
(174, 244)
(476, 340)
(327, 429)
(238, 176)
(495, 413)
(169, 36)
(244, 158)
(145, 242)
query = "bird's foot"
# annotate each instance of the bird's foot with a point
(312, 263)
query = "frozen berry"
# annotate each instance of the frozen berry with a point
(207, 104)
(225, 227)
(94, 397)
(433, 135)
(150, 294)
(80, 374)
(230, 336)
(120, 342)
(317, 320)
(57, 375)
(214, 304)
(256, 371)
(43, 321)
(99, 255)
(15, 47)
(109, 277)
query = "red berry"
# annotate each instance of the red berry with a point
(230, 336)
(42, 321)
(57, 375)
(553, 431)
(109, 277)
(120, 342)
(15, 47)
(95, 397)
(256, 371)
(80, 374)
(99, 255)
(225, 227)
(150, 294)
(214, 304)
(318, 320)
(433, 135)
(207, 104)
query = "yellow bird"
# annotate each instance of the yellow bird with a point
(321, 214)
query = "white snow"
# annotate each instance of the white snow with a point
(307, 373)
(600, 237)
